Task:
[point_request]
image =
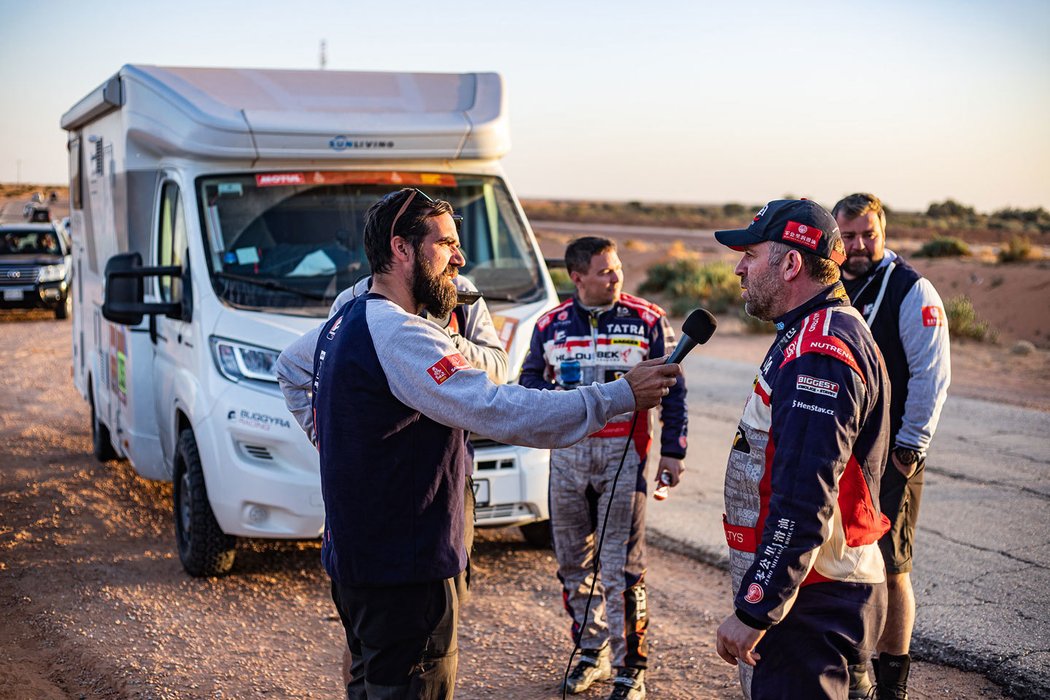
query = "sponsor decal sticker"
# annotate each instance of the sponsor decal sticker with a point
(808, 236)
(754, 593)
(254, 419)
(279, 179)
(933, 316)
(817, 385)
(760, 213)
(811, 407)
(563, 316)
(444, 368)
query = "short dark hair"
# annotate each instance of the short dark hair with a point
(816, 268)
(859, 204)
(411, 225)
(579, 252)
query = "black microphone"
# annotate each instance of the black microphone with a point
(696, 330)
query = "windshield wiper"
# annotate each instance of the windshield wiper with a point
(271, 285)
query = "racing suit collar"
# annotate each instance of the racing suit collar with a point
(833, 295)
(591, 310)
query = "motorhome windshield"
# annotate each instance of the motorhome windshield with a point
(291, 241)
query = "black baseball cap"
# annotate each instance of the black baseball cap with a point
(799, 223)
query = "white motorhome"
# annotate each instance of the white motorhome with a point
(216, 213)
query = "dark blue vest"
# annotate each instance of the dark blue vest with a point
(392, 479)
(886, 330)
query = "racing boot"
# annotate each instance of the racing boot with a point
(893, 676)
(594, 665)
(629, 684)
(860, 687)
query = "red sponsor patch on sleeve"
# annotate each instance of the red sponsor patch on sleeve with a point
(444, 368)
(808, 236)
(933, 316)
(754, 593)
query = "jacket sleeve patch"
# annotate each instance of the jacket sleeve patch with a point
(444, 368)
(934, 316)
(816, 385)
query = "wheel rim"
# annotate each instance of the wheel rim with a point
(184, 506)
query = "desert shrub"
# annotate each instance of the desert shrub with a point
(1018, 248)
(949, 208)
(963, 321)
(687, 282)
(943, 247)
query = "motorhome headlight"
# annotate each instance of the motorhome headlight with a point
(52, 273)
(239, 361)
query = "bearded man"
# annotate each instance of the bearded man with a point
(393, 401)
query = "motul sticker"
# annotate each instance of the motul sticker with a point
(816, 385)
(754, 593)
(280, 179)
(444, 368)
(808, 236)
(933, 316)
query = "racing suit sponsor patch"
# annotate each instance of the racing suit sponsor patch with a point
(933, 316)
(810, 407)
(444, 368)
(754, 593)
(816, 385)
(808, 236)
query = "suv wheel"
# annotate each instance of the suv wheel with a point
(63, 310)
(204, 549)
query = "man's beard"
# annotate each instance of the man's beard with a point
(761, 298)
(434, 290)
(858, 265)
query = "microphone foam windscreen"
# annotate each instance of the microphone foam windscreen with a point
(700, 326)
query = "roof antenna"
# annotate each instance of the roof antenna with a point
(324, 54)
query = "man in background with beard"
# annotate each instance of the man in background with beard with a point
(393, 401)
(907, 318)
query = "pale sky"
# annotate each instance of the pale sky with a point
(654, 101)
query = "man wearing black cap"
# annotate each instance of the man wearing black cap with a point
(801, 492)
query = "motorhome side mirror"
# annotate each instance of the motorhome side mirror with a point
(123, 300)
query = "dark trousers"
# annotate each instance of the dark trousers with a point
(830, 626)
(402, 640)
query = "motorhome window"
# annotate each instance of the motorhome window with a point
(293, 241)
(171, 240)
(75, 188)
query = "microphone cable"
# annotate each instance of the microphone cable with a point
(598, 556)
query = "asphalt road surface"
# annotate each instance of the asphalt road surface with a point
(982, 557)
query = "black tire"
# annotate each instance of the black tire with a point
(101, 445)
(204, 549)
(63, 309)
(538, 534)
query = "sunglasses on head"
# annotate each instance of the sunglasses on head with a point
(458, 220)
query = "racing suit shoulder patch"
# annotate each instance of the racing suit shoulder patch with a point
(547, 318)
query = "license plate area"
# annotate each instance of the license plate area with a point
(14, 295)
(481, 492)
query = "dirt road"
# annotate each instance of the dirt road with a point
(95, 604)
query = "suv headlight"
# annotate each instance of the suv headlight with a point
(52, 273)
(237, 361)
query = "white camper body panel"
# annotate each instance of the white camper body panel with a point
(149, 130)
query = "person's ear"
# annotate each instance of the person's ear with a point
(791, 265)
(401, 249)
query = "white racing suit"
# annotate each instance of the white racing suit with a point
(606, 343)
